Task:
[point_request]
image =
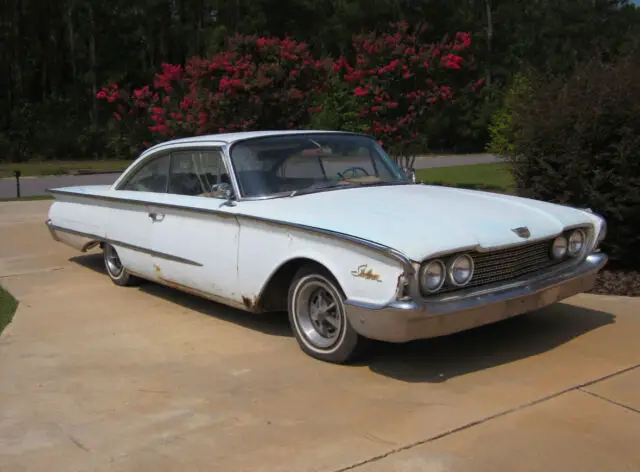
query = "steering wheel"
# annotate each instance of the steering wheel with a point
(353, 171)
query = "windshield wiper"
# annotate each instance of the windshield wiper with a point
(344, 184)
(319, 186)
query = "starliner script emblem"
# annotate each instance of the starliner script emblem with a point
(363, 273)
(522, 231)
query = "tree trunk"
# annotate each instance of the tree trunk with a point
(92, 65)
(72, 49)
(489, 13)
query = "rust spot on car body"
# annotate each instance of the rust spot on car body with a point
(251, 304)
(208, 296)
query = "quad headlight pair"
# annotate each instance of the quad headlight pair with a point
(458, 272)
(569, 245)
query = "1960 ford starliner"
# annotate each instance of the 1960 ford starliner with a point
(325, 226)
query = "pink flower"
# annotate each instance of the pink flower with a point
(101, 94)
(451, 61)
(186, 103)
(360, 92)
(117, 116)
(142, 93)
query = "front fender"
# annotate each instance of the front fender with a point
(364, 274)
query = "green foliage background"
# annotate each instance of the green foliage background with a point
(57, 54)
(576, 141)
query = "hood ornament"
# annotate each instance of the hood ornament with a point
(522, 231)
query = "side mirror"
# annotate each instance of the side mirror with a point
(223, 191)
(411, 173)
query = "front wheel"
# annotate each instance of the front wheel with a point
(318, 319)
(116, 271)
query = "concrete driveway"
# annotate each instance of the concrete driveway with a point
(95, 377)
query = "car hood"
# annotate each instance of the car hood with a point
(421, 220)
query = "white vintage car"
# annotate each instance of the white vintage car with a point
(325, 226)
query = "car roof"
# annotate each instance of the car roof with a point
(230, 138)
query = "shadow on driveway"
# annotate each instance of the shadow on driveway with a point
(274, 324)
(434, 360)
(440, 359)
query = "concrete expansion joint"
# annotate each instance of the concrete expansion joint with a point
(30, 272)
(609, 400)
(444, 434)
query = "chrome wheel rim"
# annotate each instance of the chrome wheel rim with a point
(112, 260)
(319, 314)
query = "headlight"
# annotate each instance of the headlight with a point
(432, 276)
(576, 242)
(461, 270)
(559, 247)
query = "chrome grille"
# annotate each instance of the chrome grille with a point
(509, 264)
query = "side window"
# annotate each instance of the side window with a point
(151, 177)
(198, 173)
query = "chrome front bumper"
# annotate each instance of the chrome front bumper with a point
(408, 320)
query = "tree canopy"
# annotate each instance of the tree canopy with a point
(58, 55)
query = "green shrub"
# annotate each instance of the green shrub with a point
(338, 109)
(578, 143)
(501, 130)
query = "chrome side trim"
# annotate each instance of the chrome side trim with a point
(135, 201)
(226, 157)
(53, 228)
(380, 248)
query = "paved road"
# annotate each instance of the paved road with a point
(104, 378)
(39, 185)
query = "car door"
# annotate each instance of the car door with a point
(128, 225)
(198, 230)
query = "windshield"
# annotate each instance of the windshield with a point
(294, 164)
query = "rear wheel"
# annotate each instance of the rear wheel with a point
(318, 318)
(116, 271)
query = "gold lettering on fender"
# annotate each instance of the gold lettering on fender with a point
(363, 273)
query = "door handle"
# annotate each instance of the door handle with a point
(156, 216)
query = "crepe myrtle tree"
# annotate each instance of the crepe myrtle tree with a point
(255, 83)
(400, 81)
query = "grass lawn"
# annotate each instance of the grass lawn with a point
(494, 177)
(60, 167)
(8, 306)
